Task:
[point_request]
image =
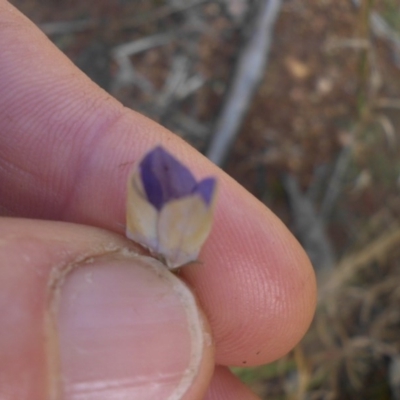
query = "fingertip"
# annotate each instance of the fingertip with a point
(226, 386)
(256, 283)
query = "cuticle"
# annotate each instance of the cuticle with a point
(57, 277)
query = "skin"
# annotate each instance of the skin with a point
(66, 149)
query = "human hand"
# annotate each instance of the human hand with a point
(73, 292)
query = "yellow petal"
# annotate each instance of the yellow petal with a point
(141, 216)
(183, 227)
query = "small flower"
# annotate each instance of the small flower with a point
(168, 211)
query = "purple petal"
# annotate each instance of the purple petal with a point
(151, 184)
(206, 189)
(165, 178)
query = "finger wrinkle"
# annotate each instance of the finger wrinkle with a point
(51, 117)
(88, 152)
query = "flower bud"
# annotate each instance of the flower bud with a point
(168, 211)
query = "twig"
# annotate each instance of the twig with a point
(178, 84)
(381, 28)
(139, 45)
(387, 103)
(350, 266)
(335, 183)
(365, 95)
(126, 74)
(309, 229)
(190, 86)
(68, 27)
(178, 74)
(388, 129)
(191, 127)
(352, 43)
(250, 70)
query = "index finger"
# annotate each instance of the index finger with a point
(65, 153)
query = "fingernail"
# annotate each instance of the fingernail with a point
(127, 329)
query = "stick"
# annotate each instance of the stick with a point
(249, 72)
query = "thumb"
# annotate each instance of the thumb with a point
(83, 317)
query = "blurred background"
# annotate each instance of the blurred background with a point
(299, 101)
